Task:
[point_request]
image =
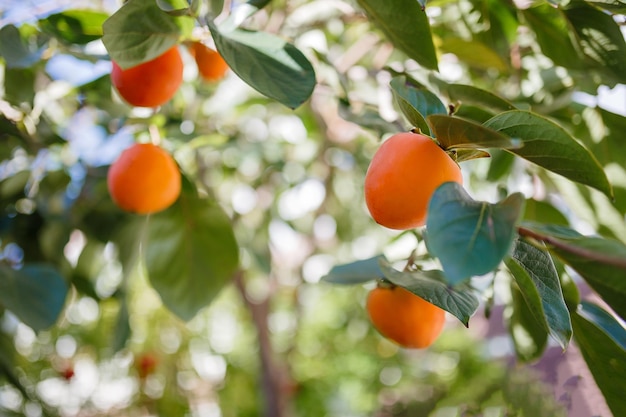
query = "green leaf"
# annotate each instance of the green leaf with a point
(460, 300)
(529, 337)
(75, 26)
(601, 341)
(553, 35)
(269, 64)
(615, 6)
(35, 294)
(470, 94)
(138, 32)
(416, 103)
(600, 37)
(190, 253)
(542, 211)
(601, 262)
(469, 154)
(122, 330)
(8, 365)
(19, 85)
(537, 278)
(407, 27)
(355, 272)
(16, 51)
(470, 237)
(454, 132)
(606, 322)
(474, 53)
(551, 147)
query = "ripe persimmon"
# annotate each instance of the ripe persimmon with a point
(403, 317)
(403, 174)
(151, 83)
(211, 65)
(144, 179)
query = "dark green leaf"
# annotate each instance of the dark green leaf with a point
(416, 103)
(470, 94)
(615, 6)
(356, 272)
(601, 342)
(600, 37)
(16, 51)
(603, 320)
(190, 254)
(454, 132)
(475, 54)
(460, 300)
(550, 146)
(553, 34)
(530, 338)
(19, 85)
(269, 64)
(470, 237)
(536, 276)
(601, 262)
(138, 32)
(35, 294)
(407, 27)
(75, 26)
(122, 330)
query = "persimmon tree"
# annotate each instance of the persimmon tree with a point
(273, 160)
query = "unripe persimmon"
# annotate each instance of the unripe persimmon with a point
(211, 65)
(144, 179)
(151, 83)
(403, 317)
(403, 174)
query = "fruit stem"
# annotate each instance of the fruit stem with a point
(155, 135)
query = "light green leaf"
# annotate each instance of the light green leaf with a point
(475, 54)
(407, 27)
(551, 147)
(470, 237)
(538, 281)
(460, 300)
(190, 253)
(416, 103)
(35, 294)
(269, 64)
(601, 340)
(138, 32)
(454, 132)
(75, 26)
(355, 272)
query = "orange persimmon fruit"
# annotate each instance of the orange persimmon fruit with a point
(403, 174)
(151, 83)
(403, 317)
(144, 179)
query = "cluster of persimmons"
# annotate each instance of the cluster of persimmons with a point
(145, 178)
(402, 176)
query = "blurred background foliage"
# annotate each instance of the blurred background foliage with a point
(291, 181)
